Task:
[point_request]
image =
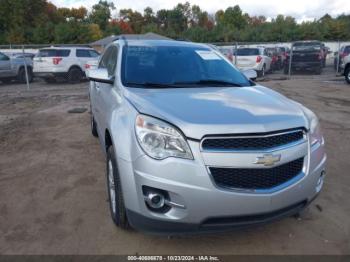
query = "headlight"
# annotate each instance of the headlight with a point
(160, 140)
(314, 126)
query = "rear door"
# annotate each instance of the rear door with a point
(5, 65)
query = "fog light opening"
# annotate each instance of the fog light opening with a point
(320, 181)
(155, 200)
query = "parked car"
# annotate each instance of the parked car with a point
(228, 52)
(307, 55)
(345, 67)
(69, 63)
(12, 67)
(254, 58)
(324, 53)
(276, 64)
(194, 145)
(282, 54)
(343, 52)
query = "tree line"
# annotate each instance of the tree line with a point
(41, 22)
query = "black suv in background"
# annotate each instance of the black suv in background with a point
(307, 55)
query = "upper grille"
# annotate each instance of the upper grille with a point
(256, 178)
(256, 142)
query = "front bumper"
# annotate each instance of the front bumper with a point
(207, 207)
(211, 225)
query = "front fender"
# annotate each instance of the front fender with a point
(122, 131)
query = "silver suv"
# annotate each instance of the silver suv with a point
(193, 145)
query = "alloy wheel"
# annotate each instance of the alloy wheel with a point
(111, 186)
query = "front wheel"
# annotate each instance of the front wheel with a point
(347, 74)
(262, 71)
(115, 194)
(21, 77)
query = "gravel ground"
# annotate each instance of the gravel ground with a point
(53, 196)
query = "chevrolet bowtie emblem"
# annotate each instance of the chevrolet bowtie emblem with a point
(268, 159)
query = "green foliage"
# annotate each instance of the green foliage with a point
(41, 22)
(101, 13)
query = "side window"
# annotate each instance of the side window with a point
(4, 57)
(82, 53)
(109, 60)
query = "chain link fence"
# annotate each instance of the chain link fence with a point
(283, 58)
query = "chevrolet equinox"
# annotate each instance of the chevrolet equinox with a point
(193, 145)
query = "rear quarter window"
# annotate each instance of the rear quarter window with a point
(86, 53)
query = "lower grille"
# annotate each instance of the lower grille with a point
(256, 178)
(253, 219)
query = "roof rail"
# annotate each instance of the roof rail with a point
(124, 39)
(70, 45)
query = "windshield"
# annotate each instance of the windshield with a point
(307, 46)
(248, 51)
(176, 65)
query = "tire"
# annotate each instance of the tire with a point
(74, 75)
(116, 200)
(93, 126)
(21, 76)
(262, 72)
(347, 74)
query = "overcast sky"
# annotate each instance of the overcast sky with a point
(300, 9)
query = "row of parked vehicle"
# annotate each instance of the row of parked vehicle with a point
(306, 55)
(71, 63)
(50, 64)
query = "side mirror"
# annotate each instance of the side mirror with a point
(100, 75)
(250, 74)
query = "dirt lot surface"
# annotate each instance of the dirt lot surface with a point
(53, 191)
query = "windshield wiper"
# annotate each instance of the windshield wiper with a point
(151, 85)
(184, 84)
(209, 82)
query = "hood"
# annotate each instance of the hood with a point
(215, 110)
